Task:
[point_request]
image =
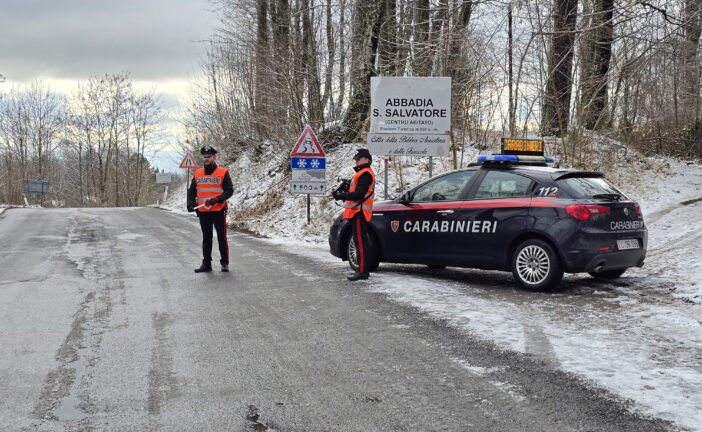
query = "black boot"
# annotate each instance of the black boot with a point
(225, 268)
(204, 267)
(357, 276)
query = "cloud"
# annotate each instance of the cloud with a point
(76, 39)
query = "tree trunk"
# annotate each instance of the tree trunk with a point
(262, 67)
(556, 102)
(342, 58)
(368, 15)
(314, 101)
(280, 19)
(595, 58)
(328, 96)
(690, 64)
(387, 62)
(422, 51)
(512, 107)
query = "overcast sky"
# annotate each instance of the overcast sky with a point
(159, 42)
(155, 40)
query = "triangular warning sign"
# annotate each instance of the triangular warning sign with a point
(307, 145)
(188, 161)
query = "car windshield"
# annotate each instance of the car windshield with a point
(590, 187)
(445, 188)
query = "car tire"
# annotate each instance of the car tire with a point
(372, 261)
(608, 274)
(535, 266)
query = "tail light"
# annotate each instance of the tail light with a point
(584, 212)
(637, 210)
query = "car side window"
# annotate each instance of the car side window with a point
(444, 188)
(502, 184)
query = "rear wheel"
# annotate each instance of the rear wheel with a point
(372, 260)
(607, 274)
(535, 266)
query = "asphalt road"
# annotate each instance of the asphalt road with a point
(104, 326)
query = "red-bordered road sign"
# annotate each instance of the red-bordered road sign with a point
(307, 145)
(188, 161)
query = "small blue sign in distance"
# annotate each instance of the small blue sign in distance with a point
(307, 163)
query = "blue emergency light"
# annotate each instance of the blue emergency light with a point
(515, 159)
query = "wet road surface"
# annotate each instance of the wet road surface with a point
(104, 326)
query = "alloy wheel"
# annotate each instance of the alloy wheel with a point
(533, 265)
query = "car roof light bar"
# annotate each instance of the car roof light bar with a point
(515, 159)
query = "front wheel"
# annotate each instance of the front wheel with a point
(607, 274)
(535, 266)
(372, 260)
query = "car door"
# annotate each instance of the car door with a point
(419, 231)
(495, 212)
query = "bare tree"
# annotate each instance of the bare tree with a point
(596, 53)
(556, 104)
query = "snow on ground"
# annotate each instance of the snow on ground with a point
(637, 345)
(639, 337)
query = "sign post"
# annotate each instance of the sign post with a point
(188, 163)
(36, 187)
(410, 117)
(309, 167)
(164, 179)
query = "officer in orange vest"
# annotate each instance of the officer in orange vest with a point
(207, 196)
(358, 207)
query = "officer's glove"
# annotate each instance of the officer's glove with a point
(335, 195)
(212, 201)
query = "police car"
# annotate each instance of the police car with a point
(510, 212)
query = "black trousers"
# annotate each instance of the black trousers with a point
(218, 220)
(359, 231)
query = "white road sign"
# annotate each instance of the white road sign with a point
(410, 116)
(163, 178)
(308, 188)
(308, 181)
(408, 144)
(411, 105)
(308, 165)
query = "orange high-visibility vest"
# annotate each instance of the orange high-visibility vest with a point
(353, 207)
(210, 186)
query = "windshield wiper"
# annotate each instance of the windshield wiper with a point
(609, 196)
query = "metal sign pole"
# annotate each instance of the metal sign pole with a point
(386, 177)
(431, 165)
(308, 209)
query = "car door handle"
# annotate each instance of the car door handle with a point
(444, 212)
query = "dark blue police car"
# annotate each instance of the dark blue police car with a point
(511, 213)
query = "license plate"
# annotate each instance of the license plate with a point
(627, 244)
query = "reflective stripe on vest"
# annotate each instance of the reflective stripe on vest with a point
(366, 206)
(210, 186)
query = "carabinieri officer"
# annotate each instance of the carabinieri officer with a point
(358, 207)
(207, 196)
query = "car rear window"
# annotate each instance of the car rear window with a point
(587, 187)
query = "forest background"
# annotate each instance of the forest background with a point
(628, 70)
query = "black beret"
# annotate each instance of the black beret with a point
(208, 150)
(362, 153)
